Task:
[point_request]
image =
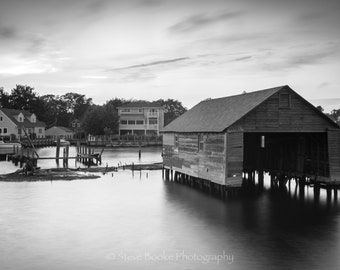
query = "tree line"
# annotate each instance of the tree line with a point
(61, 110)
(334, 114)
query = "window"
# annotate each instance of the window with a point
(176, 141)
(19, 131)
(73, 124)
(0, 130)
(5, 130)
(131, 122)
(123, 122)
(1, 118)
(284, 101)
(140, 110)
(125, 110)
(40, 130)
(20, 119)
(139, 122)
(152, 121)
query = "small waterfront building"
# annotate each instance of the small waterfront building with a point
(275, 131)
(59, 132)
(141, 118)
(12, 123)
(77, 128)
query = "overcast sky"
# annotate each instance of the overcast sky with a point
(187, 49)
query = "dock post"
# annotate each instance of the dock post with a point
(58, 151)
(335, 194)
(140, 150)
(64, 157)
(272, 177)
(316, 192)
(329, 194)
(163, 172)
(302, 181)
(260, 179)
(172, 175)
(167, 174)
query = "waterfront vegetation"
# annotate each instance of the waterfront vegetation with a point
(61, 110)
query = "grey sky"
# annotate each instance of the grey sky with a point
(188, 50)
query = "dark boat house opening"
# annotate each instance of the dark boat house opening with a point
(273, 131)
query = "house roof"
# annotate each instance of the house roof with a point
(215, 115)
(11, 113)
(65, 129)
(141, 104)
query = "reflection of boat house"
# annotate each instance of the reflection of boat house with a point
(274, 131)
(141, 118)
(13, 121)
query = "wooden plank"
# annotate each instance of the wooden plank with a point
(269, 117)
(208, 163)
(234, 158)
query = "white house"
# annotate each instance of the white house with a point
(12, 123)
(141, 118)
(56, 132)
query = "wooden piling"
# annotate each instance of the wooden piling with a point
(329, 194)
(316, 189)
(58, 150)
(260, 179)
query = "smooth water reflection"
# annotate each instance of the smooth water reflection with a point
(126, 221)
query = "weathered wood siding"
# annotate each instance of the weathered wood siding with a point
(334, 154)
(206, 162)
(234, 158)
(269, 116)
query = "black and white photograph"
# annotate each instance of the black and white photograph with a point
(169, 134)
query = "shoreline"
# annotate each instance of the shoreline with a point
(67, 174)
(47, 175)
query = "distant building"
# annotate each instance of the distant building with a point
(141, 118)
(75, 124)
(12, 123)
(77, 129)
(58, 132)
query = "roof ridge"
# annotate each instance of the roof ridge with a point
(247, 93)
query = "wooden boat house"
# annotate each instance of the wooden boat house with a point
(273, 131)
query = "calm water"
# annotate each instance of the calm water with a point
(126, 221)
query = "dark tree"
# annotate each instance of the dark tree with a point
(335, 115)
(172, 109)
(22, 97)
(4, 98)
(76, 104)
(93, 122)
(320, 108)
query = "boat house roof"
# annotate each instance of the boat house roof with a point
(216, 115)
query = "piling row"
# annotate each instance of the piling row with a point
(252, 181)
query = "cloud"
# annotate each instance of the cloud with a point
(94, 77)
(323, 85)
(309, 58)
(7, 32)
(161, 62)
(279, 61)
(198, 21)
(243, 58)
